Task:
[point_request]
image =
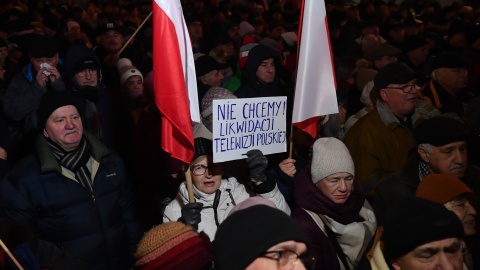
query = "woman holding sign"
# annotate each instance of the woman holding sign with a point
(215, 193)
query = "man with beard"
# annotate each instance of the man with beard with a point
(84, 79)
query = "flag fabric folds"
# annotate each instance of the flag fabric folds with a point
(315, 89)
(174, 79)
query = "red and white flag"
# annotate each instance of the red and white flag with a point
(175, 83)
(315, 89)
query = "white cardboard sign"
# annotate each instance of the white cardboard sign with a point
(243, 124)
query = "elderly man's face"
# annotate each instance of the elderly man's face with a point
(462, 207)
(88, 77)
(112, 41)
(448, 159)
(442, 254)
(64, 127)
(401, 99)
(452, 79)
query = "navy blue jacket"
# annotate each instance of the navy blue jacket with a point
(99, 227)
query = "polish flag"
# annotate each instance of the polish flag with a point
(315, 89)
(175, 84)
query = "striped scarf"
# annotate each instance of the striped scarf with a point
(75, 161)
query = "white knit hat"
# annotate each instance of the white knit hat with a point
(245, 28)
(127, 70)
(330, 156)
(71, 24)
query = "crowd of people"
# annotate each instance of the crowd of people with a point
(389, 182)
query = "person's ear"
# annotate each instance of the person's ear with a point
(203, 79)
(423, 154)
(395, 265)
(383, 95)
(45, 134)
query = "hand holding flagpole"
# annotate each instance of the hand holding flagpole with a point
(4, 247)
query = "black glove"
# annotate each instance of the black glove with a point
(191, 213)
(257, 163)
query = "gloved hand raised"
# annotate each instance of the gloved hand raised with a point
(191, 213)
(257, 163)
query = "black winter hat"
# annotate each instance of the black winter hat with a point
(205, 64)
(440, 131)
(413, 222)
(249, 233)
(42, 46)
(413, 42)
(49, 102)
(396, 73)
(449, 60)
(85, 63)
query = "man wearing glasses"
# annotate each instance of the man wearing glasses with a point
(84, 79)
(381, 141)
(260, 237)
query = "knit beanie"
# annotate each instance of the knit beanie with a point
(71, 24)
(244, 50)
(249, 233)
(212, 94)
(51, 101)
(413, 222)
(441, 188)
(127, 70)
(330, 155)
(245, 28)
(173, 245)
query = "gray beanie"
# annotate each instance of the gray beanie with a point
(330, 156)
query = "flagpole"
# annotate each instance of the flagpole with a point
(133, 35)
(4, 247)
(188, 181)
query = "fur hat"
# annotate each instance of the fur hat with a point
(440, 131)
(249, 233)
(127, 70)
(441, 188)
(50, 102)
(413, 222)
(173, 245)
(330, 156)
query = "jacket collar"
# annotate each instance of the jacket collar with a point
(48, 162)
(389, 118)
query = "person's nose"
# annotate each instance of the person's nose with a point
(458, 157)
(444, 262)
(342, 186)
(470, 209)
(69, 124)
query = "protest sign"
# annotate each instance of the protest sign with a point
(240, 125)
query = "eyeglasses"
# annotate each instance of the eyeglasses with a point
(199, 170)
(286, 259)
(407, 88)
(83, 73)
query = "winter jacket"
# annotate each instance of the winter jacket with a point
(232, 193)
(352, 225)
(251, 87)
(98, 227)
(22, 98)
(405, 182)
(380, 145)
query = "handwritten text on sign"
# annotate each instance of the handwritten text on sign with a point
(240, 125)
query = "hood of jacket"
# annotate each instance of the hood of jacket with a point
(255, 57)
